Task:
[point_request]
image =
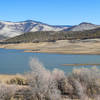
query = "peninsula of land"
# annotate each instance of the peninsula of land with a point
(87, 46)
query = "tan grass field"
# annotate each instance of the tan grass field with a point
(5, 77)
(91, 46)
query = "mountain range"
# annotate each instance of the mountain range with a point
(83, 26)
(11, 29)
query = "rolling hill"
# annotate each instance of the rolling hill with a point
(52, 36)
(12, 29)
(83, 26)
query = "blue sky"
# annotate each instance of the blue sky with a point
(62, 12)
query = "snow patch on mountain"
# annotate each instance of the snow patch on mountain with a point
(11, 29)
(83, 26)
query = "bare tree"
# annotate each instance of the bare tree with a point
(86, 82)
(42, 81)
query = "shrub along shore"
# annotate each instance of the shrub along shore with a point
(43, 84)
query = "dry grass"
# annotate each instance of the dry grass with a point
(80, 64)
(4, 78)
(91, 46)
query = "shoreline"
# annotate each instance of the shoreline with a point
(89, 47)
(63, 53)
(80, 64)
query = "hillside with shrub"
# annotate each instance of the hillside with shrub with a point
(51, 36)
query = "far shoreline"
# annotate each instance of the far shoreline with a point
(79, 47)
(63, 53)
(81, 64)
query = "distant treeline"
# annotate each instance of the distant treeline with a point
(51, 36)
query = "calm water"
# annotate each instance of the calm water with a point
(16, 61)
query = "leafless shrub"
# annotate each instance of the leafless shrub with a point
(23, 94)
(80, 90)
(44, 82)
(82, 84)
(7, 92)
(58, 74)
(86, 82)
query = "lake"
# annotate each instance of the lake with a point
(17, 61)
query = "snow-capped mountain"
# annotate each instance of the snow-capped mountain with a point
(83, 26)
(11, 29)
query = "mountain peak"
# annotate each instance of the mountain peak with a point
(11, 29)
(86, 23)
(28, 21)
(83, 26)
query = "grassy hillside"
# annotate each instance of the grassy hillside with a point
(53, 36)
